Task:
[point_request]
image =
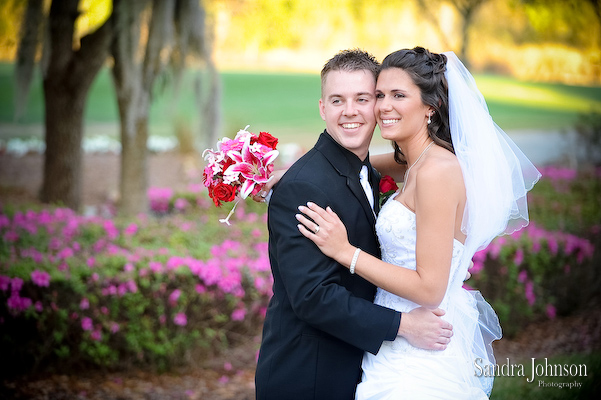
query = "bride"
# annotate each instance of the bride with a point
(466, 183)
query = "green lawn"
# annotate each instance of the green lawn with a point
(286, 104)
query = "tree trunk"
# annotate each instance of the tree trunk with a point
(134, 80)
(133, 184)
(210, 109)
(465, 37)
(67, 82)
(127, 76)
(64, 130)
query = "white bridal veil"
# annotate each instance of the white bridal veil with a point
(497, 177)
(496, 173)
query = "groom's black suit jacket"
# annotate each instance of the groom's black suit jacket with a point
(321, 318)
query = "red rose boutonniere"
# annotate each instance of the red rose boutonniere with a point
(387, 188)
(240, 166)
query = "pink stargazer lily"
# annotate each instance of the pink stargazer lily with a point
(254, 169)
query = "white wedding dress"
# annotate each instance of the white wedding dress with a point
(401, 371)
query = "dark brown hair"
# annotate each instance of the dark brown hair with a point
(350, 60)
(426, 70)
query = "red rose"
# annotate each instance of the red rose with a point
(387, 184)
(266, 139)
(222, 192)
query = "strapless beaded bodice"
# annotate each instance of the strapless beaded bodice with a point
(397, 234)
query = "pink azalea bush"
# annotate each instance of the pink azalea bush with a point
(534, 274)
(549, 267)
(102, 291)
(176, 285)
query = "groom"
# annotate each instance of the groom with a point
(321, 318)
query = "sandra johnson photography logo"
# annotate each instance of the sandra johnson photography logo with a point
(538, 368)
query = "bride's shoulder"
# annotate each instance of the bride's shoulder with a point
(441, 175)
(441, 165)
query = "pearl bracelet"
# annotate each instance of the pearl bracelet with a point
(354, 262)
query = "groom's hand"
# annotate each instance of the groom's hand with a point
(425, 329)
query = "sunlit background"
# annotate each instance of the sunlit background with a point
(538, 40)
(165, 285)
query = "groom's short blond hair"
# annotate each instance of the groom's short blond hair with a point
(350, 60)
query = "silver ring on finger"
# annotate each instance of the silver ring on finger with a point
(316, 229)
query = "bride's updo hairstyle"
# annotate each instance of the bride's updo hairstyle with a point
(426, 70)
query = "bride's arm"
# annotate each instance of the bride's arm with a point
(436, 207)
(385, 165)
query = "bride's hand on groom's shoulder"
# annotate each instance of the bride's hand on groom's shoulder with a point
(425, 329)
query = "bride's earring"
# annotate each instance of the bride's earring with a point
(429, 118)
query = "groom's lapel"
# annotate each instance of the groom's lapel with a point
(355, 187)
(374, 178)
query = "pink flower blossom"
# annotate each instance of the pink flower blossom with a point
(186, 226)
(87, 324)
(519, 257)
(5, 282)
(159, 199)
(114, 327)
(551, 311)
(180, 319)
(96, 335)
(155, 266)
(174, 296)
(175, 262)
(38, 306)
(553, 246)
(529, 293)
(181, 204)
(238, 314)
(18, 303)
(478, 266)
(65, 253)
(4, 221)
(40, 278)
(54, 244)
(111, 230)
(84, 304)
(16, 284)
(132, 286)
(131, 229)
(11, 236)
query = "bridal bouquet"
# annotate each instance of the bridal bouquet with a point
(239, 167)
